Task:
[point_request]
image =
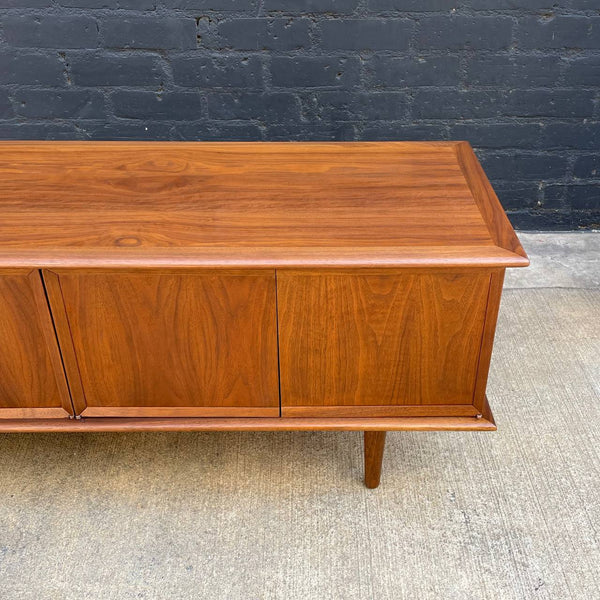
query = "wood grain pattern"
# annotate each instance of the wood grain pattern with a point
(263, 257)
(48, 328)
(33, 412)
(499, 226)
(442, 410)
(63, 333)
(226, 204)
(399, 338)
(177, 412)
(32, 382)
(249, 424)
(146, 342)
(374, 445)
(487, 340)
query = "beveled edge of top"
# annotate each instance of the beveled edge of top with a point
(290, 143)
(507, 251)
(266, 257)
(500, 229)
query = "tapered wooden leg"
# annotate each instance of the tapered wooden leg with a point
(374, 446)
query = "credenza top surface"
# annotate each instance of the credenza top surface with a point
(243, 204)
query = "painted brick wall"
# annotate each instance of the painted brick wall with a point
(519, 79)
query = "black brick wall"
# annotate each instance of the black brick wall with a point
(519, 79)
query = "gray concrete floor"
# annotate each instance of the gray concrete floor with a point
(558, 260)
(513, 514)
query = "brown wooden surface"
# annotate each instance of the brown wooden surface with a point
(442, 410)
(199, 410)
(32, 382)
(48, 327)
(486, 413)
(401, 338)
(248, 204)
(63, 333)
(248, 424)
(374, 445)
(203, 343)
(35, 412)
(487, 341)
(431, 257)
(496, 220)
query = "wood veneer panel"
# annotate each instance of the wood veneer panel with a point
(32, 381)
(487, 341)
(63, 333)
(444, 410)
(146, 342)
(228, 203)
(33, 412)
(181, 411)
(397, 338)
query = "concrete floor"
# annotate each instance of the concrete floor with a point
(508, 515)
(558, 260)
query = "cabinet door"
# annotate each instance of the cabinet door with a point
(168, 343)
(386, 343)
(32, 381)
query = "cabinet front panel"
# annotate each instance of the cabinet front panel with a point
(403, 343)
(32, 383)
(170, 343)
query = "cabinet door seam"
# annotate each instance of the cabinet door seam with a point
(65, 339)
(277, 335)
(37, 273)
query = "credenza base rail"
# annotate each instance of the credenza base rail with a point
(248, 424)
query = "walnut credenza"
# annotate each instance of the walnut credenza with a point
(248, 286)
